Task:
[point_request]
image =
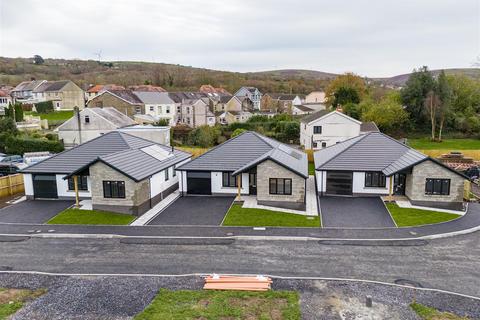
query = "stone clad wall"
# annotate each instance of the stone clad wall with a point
(137, 195)
(269, 169)
(415, 186)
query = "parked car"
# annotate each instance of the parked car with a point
(8, 169)
(12, 159)
(2, 155)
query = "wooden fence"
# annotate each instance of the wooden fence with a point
(10, 185)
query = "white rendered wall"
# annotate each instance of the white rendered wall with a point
(158, 183)
(28, 184)
(218, 188)
(359, 185)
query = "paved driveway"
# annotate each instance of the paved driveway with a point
(344, 212)
(195, 210)
(33, 211)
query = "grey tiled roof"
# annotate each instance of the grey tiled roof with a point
(56, 85)
(304, 108)
(114, 148)
(153, 97)
(315, 116)
(373, 151)
(246, 150)
(126, 95)
(114, 116)
(368, 127)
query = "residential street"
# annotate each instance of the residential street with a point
(448, 264)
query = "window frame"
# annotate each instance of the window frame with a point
(229, 178)
(275, 190)
(317, 129)
(167, 174)
(82, 183)
(174, 173)
(371, 183)
(441, 181)
(87, 118)
(120, 192)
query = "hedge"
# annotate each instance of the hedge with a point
(44, 107)
(17, 145)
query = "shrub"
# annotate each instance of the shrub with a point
(44, 107)
(238, 132)
(204, 136)
(18, 145)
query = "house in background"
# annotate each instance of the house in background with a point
(117, 171)
(325, 128)
(195, 113)
(231, 109)
(375, 164)
(298, 110)
(125, 101)
(146, 88)
(5, 101)
(281, 102)
(251, 93)
(95, 90)
(158, 106)
(65, 94)
(315, 97)
(249, 164)
(157, 134)
(23, 92)
(91, 123)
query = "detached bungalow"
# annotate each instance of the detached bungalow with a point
(117, 171)
(249, 164)
(375, 164)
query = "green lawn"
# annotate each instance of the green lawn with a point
(12, 300)
(77, 216)
(446, 144)
(311, 168)
(427, 313)
(212, 304)
(407, 217)
(246, 217)
(54, 118)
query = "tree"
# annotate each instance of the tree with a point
(38, 59)
(204, 136)
(352, 110)
(444, 92)
(414, 94)
(238, 132)
(15, 112)
(345, 95)
(388, 114)
(162, 123)
(344, 88)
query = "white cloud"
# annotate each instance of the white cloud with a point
(370, 37)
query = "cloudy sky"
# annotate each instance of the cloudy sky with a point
(369, 37)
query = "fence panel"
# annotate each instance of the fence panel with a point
(11, 185)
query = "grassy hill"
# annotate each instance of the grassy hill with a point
(176, 77)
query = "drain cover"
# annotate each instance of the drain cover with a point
(407, 282)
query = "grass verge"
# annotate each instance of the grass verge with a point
(189, 304)
(54, 118)
(408, 217)
(311, 169)
(247, 217)
(427, 313)
(77, 216)
(446, 144)
(12, 300)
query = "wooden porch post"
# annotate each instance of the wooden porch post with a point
(75, 184)
(390, 190)
(239, 186)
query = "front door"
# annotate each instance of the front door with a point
(399, 180)
(252, 183)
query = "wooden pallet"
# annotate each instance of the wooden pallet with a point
(247, 283)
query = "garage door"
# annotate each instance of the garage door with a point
(339, 182)
(45, 186)
(199, 182)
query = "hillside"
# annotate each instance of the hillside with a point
(177, 77)
(170, 77)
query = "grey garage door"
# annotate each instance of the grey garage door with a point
(45, 186)
(339, 182)
(199, 182)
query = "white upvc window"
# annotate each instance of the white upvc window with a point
(152, 108)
